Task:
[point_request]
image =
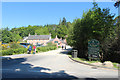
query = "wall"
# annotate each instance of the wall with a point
(34, 42)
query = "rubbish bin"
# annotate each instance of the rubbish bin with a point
(74, 53)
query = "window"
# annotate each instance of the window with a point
(55, 41)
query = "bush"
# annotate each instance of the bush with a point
(44, 49)
(15, 45)
(59, 46)
(51, 44)
(14, 51)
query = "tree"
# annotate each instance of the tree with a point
(64, 21)
(60, 22)
(117, 4)
(6, 36)
(42, 31)
(70, 40)
(16, 37)
(95, 24)
(62, 31)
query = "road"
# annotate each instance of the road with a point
(52, 64)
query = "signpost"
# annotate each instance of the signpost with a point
(93, 49)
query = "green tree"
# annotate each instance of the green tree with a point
(70, 40)
(117, 4)
(16, 37)
(62, 31)
(7, 36)
(42, 31)
(95, 24)
(64, 21)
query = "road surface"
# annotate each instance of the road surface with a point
(52, 64)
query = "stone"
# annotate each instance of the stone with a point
(108, 64)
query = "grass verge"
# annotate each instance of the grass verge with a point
(115, 65)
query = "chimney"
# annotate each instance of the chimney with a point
(56, 36)
(29, 34)
(35, 34)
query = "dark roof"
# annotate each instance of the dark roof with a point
(37, 37)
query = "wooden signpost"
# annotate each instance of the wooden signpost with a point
(93, 49)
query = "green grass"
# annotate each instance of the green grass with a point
(86, 61)
(115, 65)
(82, 59)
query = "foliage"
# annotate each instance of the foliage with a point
(63, 21)
(51, 44)
(59, 46)
(117, 4)
(14, 51)
(5, 46)
(7, 36)
(111, 48)
(95, 24)
(15, 45)
(70, 40)
(16, 37)
(46, 48)
(42, 31)
(62, 31)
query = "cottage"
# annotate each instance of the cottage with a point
(38, 39)
(58, 42)
(44, 39)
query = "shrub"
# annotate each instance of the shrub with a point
(5, 46)
(15, 45)
(14, 51)
(46, 48)
(51, 44)
(59, 46)
(7, 52)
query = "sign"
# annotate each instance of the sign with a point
(93, 49)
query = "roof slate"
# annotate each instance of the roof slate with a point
(39, 37)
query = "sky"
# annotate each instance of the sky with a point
(18, 14)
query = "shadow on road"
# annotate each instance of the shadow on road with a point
(24, 71)
(17, 68)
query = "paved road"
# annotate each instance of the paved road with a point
(52, 64)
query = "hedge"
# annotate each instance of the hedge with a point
(13, 51)
(23, 50)
(46, 48)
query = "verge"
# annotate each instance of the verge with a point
(92, 64)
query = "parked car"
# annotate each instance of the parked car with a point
(25, 44)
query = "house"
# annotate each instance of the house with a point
(38, 39)
(44, 39)
(58, 42)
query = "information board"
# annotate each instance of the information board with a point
(93, 49)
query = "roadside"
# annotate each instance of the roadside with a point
(113, 66)
(8, 57)
(95, 64)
